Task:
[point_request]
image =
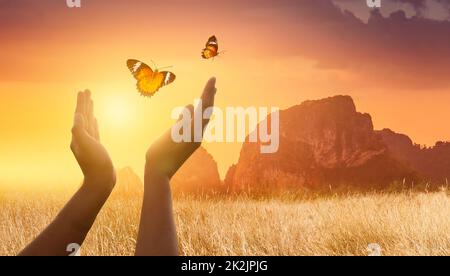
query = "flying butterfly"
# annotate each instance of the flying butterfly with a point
(212, 48)
(149, 81)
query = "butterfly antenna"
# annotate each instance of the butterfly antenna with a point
(154, 64)
(167, 67)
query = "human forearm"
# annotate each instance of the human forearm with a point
(73, 222)
(157, 233)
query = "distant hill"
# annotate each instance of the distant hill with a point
(433, 163)
(128, 183)
(198, 175)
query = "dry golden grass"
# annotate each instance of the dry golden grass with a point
(402, 224)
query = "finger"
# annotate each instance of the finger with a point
(80, 103)
(96, 131)
(79, 127)
(190, 109)
(208, 96)
(187, 109)
(209, 93)
(89, 108)
(80, 112)
(86, 99)
(90, 117)
(87, 93)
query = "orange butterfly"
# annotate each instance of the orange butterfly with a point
(149, 81)
(212, 48)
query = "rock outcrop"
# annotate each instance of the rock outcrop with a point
(432, 163)
(323, 144)
(199, 175)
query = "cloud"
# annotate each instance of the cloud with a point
(440, 9)
(392, 50)
(419, 4)
(395, 47)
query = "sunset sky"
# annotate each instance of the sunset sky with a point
(394, 63)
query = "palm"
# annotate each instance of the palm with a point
(165, 156)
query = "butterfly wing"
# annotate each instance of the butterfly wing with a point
(139, 69)
(148, 81)
(212, 41)
(168, 78)
(148, 87)
(212, 48)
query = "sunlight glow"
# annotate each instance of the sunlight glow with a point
(117, 112)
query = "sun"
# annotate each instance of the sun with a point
(117, 112)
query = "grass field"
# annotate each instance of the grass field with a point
(402, 224)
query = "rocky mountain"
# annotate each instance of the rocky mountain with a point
(323, 144)
(198, 175)
(433, 163)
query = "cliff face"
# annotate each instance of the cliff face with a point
(432, 163)
(198, 175)
(322, 143)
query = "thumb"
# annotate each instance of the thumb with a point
(209, 93)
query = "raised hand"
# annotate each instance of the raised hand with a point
(75, 220)
(90, 154)
(166, 156)
(157, 233)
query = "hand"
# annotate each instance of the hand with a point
(165, 156)
(76, 219)
(91, 156)
(157, 234)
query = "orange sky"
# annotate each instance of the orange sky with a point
(277, 55)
